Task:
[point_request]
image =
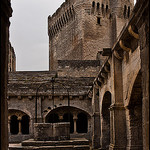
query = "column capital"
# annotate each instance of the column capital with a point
(117, 107)
(19, 118)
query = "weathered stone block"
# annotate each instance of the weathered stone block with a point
(51, 131)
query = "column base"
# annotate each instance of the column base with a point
(115, 147)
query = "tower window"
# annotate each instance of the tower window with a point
(98, 5)
(98, 20)
(128, 11)
(93, 4)
(102, 8)
(106, 8)
(125, 11)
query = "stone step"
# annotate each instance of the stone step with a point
(80, 141)
(63, 147)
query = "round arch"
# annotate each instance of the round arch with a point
(105, 119)
(130, 88)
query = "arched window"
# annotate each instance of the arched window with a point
(68, 117)
(14, 125)
(52, 118)
(82, 123)
(93, 4)
(25, 125)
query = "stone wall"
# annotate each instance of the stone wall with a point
(11, 59)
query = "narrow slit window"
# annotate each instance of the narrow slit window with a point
(128, 11)
(93, 4)
(98, 20)
(125, 11)
(98, 5)
(106, 8)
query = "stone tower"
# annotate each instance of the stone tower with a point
(79, 29)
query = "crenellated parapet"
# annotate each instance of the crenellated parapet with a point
(58, 21)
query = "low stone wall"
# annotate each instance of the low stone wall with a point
(51, 131)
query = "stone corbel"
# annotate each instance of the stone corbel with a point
(124, 47)
(104, 75)
(117, 55)
(107, 68)
(132, 33)
(98, 83)
(100, 80)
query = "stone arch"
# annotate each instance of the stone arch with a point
(62, 110)
(105, 120)
(134, 115)
(21, 123)
(130, 87)
(25, 112)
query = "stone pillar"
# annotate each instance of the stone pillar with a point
(75, 123)
(143, 28)
(117, 110)
(6, 12)
(39, 110)
(117, 128)
(19, 119)
(96, 119)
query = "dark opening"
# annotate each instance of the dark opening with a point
(106, 8)
(98, 5)
(98, 20)
(106, 119)
(125, 11)
(25, 125)
(82, 123)
(69, 118)
(102, 8)
(53, 118)
(135, 111)
(93, 4)
(128, 11)
(14, 125)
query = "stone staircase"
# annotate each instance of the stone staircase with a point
(72, 144)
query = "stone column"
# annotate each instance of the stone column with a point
(117, 110)
(19, 119)
(96, 119)
(75, 123)
(39, 110)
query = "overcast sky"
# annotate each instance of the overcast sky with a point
(28, 33)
